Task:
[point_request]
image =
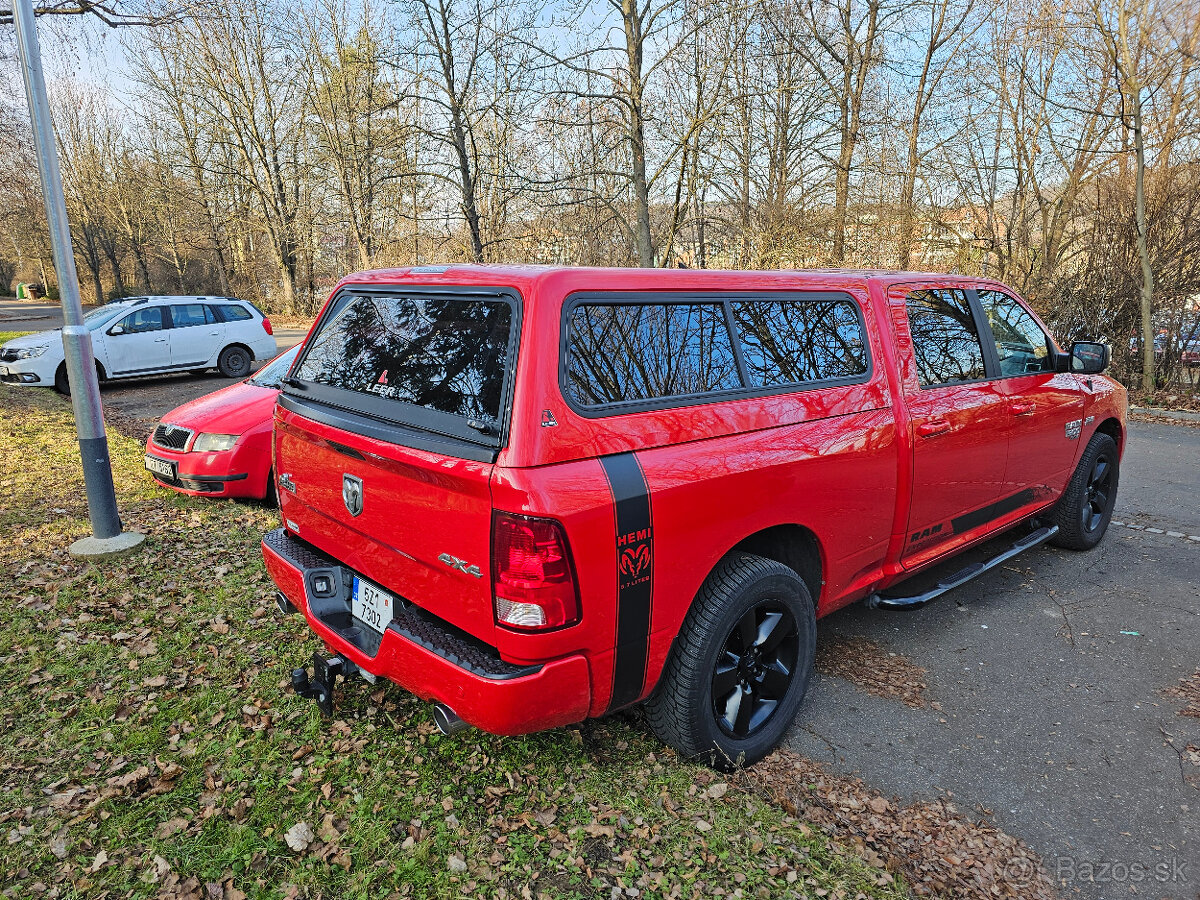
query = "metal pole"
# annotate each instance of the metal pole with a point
(77, 340)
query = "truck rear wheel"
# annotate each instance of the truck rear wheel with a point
(1083, 511)
(740, 666)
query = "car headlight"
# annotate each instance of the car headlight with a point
(32, 352)
(208, 442)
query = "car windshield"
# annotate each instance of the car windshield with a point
(270, 375)
(98, 317)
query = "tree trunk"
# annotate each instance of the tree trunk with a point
(1143, 248)
(143, 269)
(466, 183)
(634, 44)
(115, 265)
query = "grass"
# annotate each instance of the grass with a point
(6, 336)
(150, 746)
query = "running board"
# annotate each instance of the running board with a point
(962, 576)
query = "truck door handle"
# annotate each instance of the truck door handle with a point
(160, 340)
(1022, 407)
(933, 427)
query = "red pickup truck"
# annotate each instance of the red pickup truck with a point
(534, 495)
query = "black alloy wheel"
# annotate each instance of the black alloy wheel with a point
(740, 665)
(1099, 486)
(1083, 511)
(754, 669)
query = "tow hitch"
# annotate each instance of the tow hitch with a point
(320, 685)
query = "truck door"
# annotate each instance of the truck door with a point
(1046, 408)
(958, 418)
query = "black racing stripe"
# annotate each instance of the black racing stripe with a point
(635, 575)
(985, 514)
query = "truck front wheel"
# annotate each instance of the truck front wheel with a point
(740, 666)
(1083, 511)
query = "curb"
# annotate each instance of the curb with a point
(1182, 415)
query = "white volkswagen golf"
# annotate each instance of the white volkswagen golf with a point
(150, 336)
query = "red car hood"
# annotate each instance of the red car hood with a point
(232, 410)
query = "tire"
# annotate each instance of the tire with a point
(62, 384)
(1084, 510)
(234, 361)
(721, 645)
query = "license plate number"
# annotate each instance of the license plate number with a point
(162, 467)
(372, 606)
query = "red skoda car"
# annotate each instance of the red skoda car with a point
(219, 445)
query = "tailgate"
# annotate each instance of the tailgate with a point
(400, 397)
(424, 528)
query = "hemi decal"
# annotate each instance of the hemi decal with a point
(635, 575)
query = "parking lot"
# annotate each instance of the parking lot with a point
(1046, 709)
(141, 401)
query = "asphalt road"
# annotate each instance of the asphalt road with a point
(1050, 673)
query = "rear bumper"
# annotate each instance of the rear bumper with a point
(429, 657)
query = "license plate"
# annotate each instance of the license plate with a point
(162, 467)
(371, 605)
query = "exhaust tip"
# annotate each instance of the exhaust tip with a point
(447, 720)
(283, 604)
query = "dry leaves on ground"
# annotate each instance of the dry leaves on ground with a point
(869, 666)
(938, 849)
(1188, 690)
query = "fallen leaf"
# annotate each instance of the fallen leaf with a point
(58, 844)
(170, 827)
(299, 836)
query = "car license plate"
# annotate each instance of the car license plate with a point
(372, 606)
(162, 467)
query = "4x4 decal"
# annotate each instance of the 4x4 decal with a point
(635, 581)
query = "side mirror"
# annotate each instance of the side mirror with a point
(116, 329)
(1089, 357)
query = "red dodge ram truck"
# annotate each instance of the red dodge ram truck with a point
(534, 495)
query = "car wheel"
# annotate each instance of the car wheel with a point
(740, 666)
(1084, 510)
(234, 362)
(62, 383)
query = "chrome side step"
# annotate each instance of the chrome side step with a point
(962, 576)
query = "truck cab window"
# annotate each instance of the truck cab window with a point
(945, 338)
(1021, 344)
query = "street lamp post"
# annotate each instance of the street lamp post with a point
(107, 537)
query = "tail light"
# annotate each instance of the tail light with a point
(267, 325)
(533, 579)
